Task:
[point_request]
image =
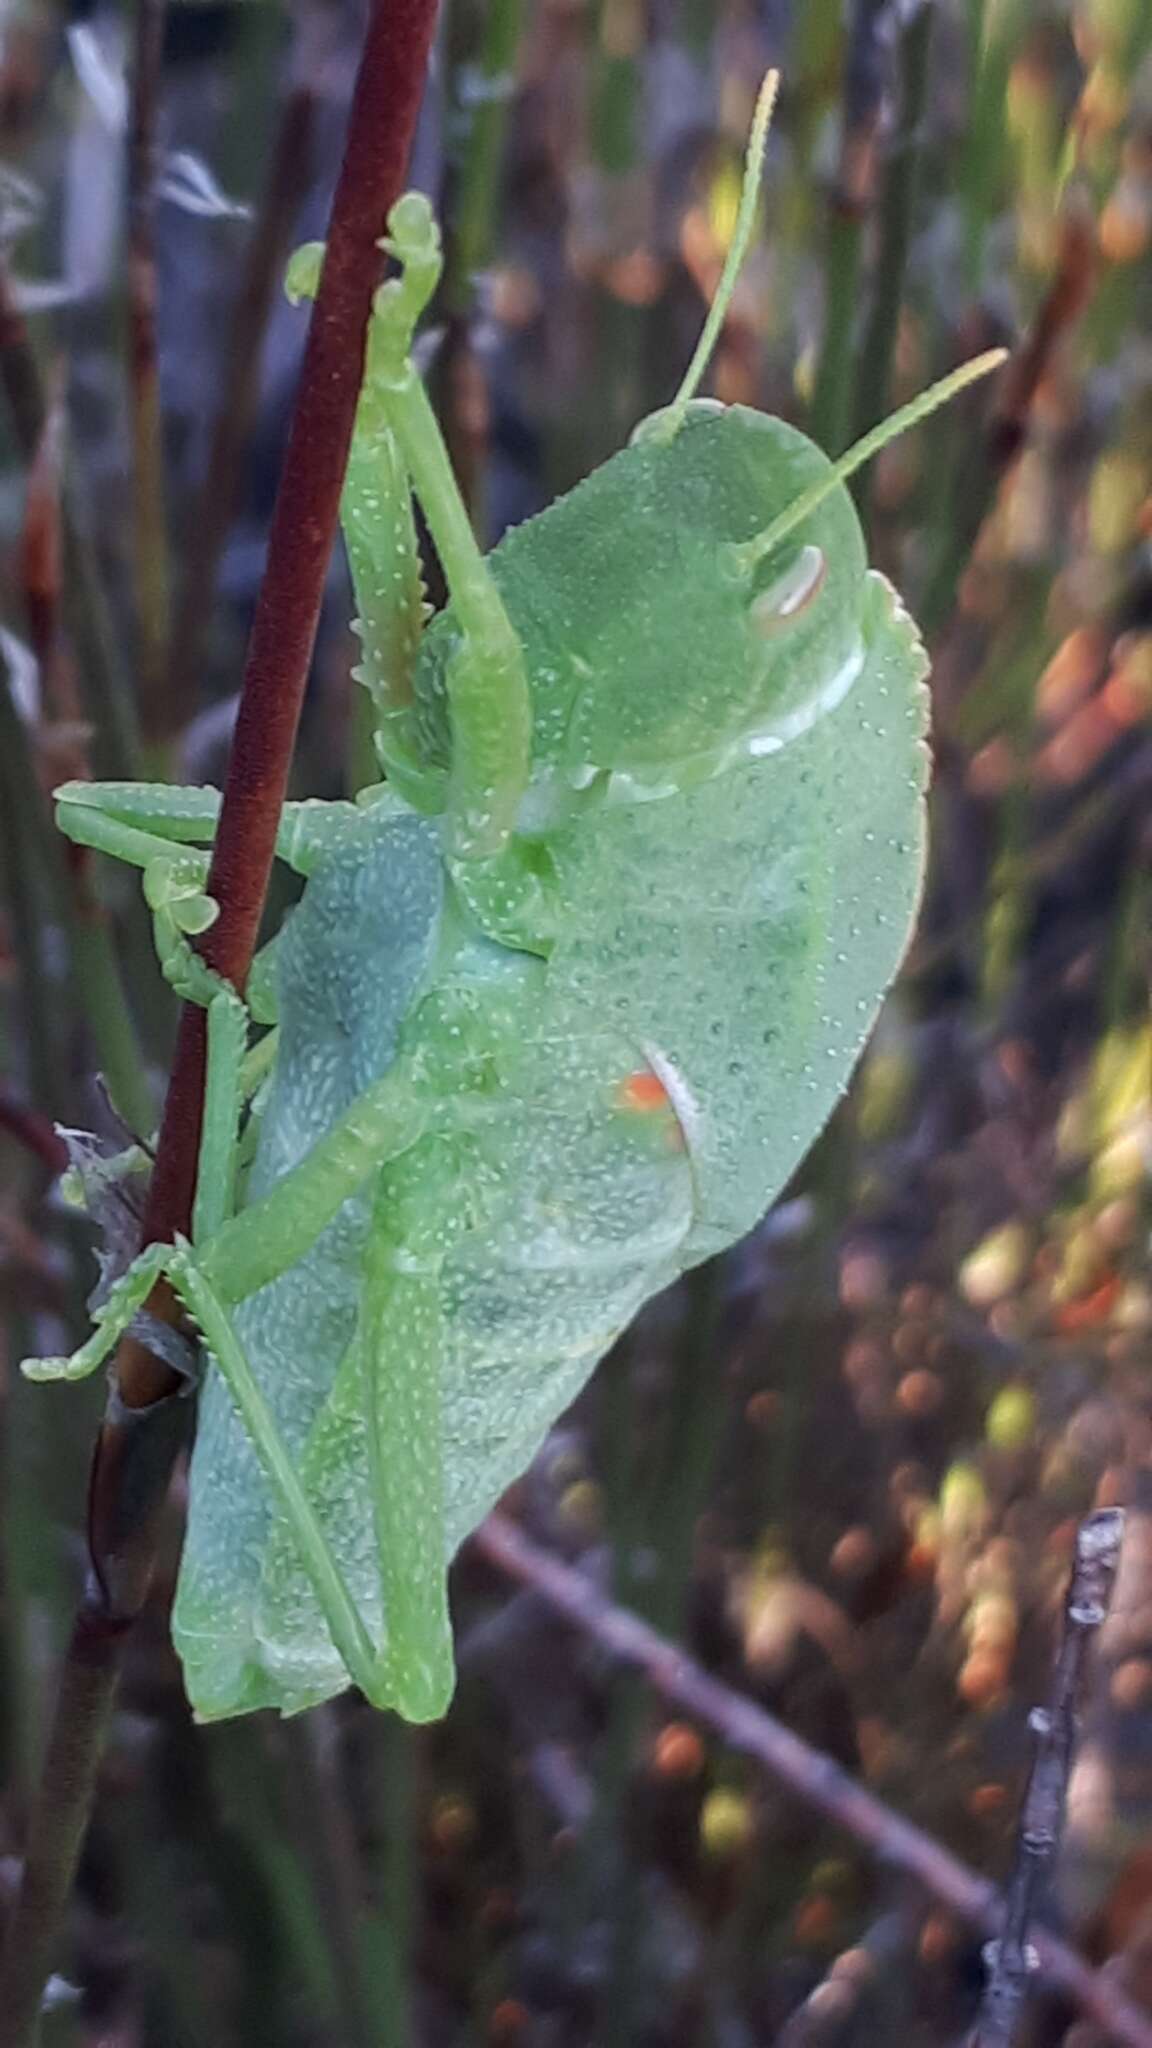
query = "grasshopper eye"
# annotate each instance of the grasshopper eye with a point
(791, 593)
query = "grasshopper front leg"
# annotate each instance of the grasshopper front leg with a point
(140, 822)
(486, 679)
(384, 558)
(166, 832)
(173, 892)
(487, 685)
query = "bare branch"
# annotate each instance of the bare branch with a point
(1011, 1957)
(812, 1776)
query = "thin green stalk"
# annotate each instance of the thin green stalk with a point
(1124, 979)
(267, 253)
(484, 86)
(17, 1519)
(618, 1432)
(897, 210)
(283, 1938)
(106, 1011)
(698, 1407)
(991, 38)
(59, 1819)
(1010, 890)
(391, 1765)
(39, 879)
(616, 92)
(830, 422)
(665, 1528)
(25, 857)
(116, 750)
(149, 519)
(491, 81)
(850, 205)
(38, 1473)
(329, 1855)
(179, 1997)
(115, 745)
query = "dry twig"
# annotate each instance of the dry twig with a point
(811, 1776)
(1011, 1956)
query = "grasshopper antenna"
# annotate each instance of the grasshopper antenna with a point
(737, 250)
(750, 552)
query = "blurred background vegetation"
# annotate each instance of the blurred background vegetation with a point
(846, 1465)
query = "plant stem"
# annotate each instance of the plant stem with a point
(115, 749)
(265, 1884)
(267, 254)
(132, 1463)
(1011, 1957)
(116, 742)
(849, 207)
(897, 208)
(991, 454)
(813, 1776)
(59, 1817)
(484, 90)
(991, 34)
(150, 546)
(392, 1765)
(25, 865)
(95, 986)
(381, 123)
(664, 1527)
(45, 882)
(491, 82)
(328, 1853)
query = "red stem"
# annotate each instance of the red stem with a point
(131, 1465)
(380, 130)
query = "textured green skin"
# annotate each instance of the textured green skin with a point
(671, 901)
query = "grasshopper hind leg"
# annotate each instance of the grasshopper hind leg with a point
(371, 1469)
(403, 1338)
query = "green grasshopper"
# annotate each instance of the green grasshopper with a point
(564, 1001)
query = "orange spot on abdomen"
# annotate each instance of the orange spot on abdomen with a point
(643, 1091)
(644, 1094)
